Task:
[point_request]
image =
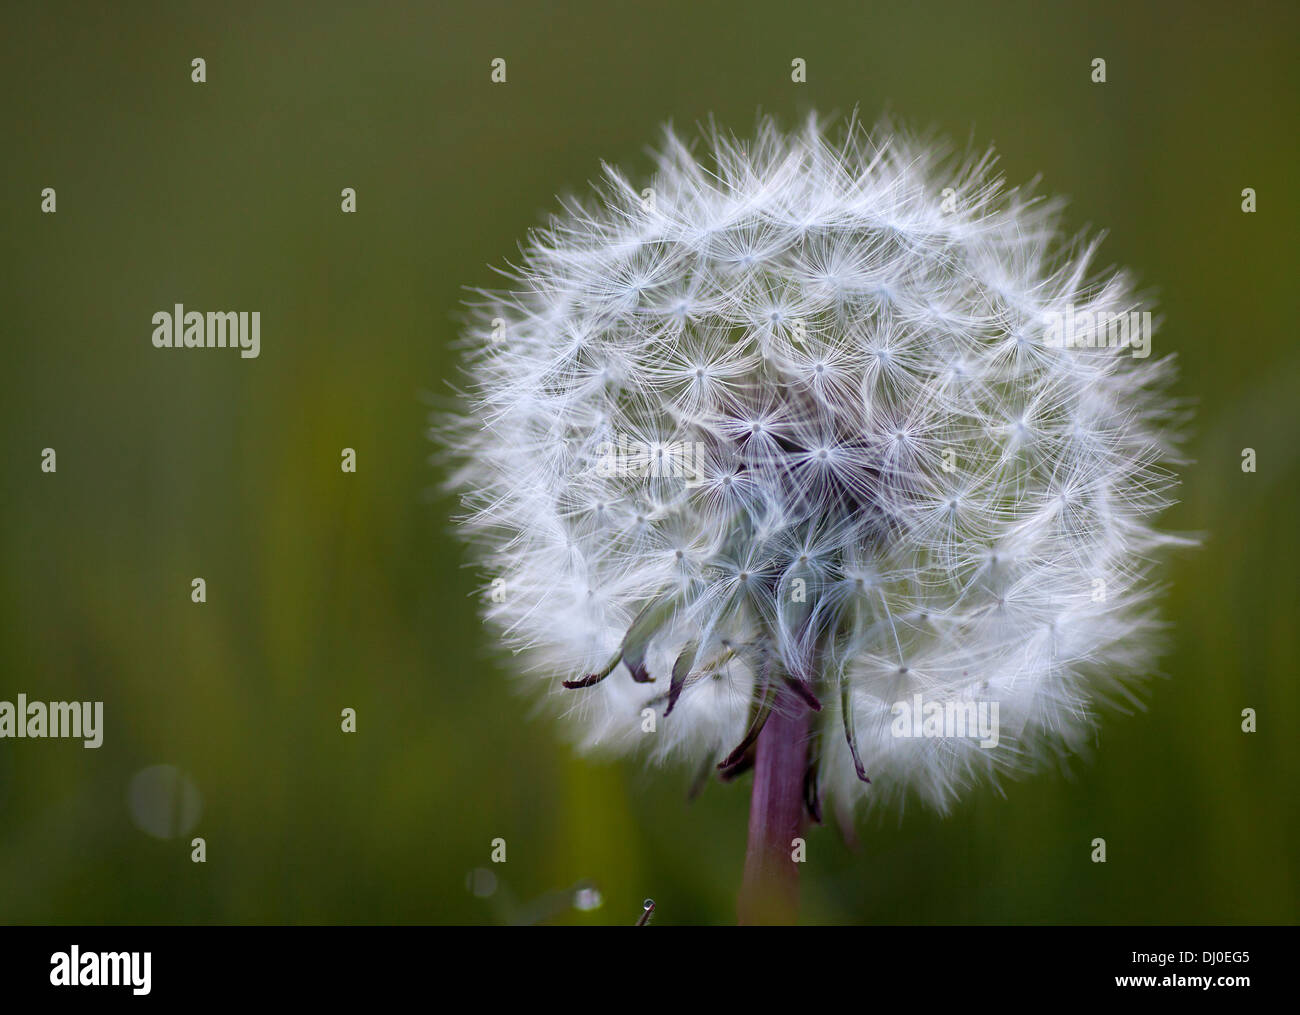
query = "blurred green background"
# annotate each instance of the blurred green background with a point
(328, 590)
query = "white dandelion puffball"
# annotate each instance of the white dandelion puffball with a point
(823, 412)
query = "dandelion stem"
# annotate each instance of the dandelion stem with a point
(770, 894)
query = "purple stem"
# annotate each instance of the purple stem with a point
(770, 894)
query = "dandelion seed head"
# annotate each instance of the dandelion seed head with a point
(795, 419)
